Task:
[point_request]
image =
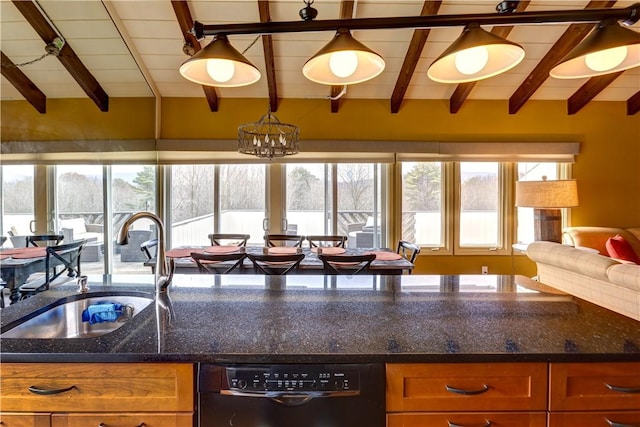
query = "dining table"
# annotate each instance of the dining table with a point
(17, 264)
(387, 262)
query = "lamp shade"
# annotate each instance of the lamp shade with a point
(607, 49)
(547, 194)
(219, 64)
(343, 61)
(475, 55)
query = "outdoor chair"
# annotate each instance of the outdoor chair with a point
(218, 263)
(273, 240)
(221, 239)
(44, 240)
(346, 264)
(408, 251)
(275, 264)
(67, 256)
(147, 246)
(336, 241)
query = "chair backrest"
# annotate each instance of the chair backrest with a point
(346, 264)
(44, 240)
(408, 251)
(67, 255)
(218, 263)
(337, 241)
(147, 246)
(275, 264)
(220, 239)
(272, 240)
(2, 240)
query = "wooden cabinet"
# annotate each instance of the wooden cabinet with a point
(14, 419)
(467, 394)
(594, 394)
(156, 394)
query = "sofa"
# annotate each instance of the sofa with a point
(589, 275)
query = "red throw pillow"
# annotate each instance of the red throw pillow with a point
(618, 247)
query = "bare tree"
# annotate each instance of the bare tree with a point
(355, 186)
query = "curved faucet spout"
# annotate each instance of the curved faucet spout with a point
(163, 273)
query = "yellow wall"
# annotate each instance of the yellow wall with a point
(607, 168)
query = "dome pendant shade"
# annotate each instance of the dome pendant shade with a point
(607, 49)
(343, 61)
(219, 64)
(475, 55)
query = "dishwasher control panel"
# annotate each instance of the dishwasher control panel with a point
(293, 378)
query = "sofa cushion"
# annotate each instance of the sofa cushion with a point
(570, 258)
(618, 247)
(627, 275)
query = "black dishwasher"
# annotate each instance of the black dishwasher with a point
(291, 395)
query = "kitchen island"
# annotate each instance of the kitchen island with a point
(323, 319)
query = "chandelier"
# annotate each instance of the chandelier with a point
(268, 138)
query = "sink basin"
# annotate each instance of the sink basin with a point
(64, 318)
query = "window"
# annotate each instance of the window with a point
(309, 196)
(18, 211)
(192, 206)
(422, 203)
(531, 172)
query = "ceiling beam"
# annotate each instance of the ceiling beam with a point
(463, 90)
(414, 51)
(67, 56)
(185, 21)
(589, 90)
(25, 86)
(346, 12)
(571, 37)
(269, 58)
(633, 104)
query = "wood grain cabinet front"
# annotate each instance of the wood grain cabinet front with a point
(594, 394)
(94, 394)
(484, 419)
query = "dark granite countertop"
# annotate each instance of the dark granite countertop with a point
(314, 319)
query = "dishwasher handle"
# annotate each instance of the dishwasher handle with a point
(291, 398)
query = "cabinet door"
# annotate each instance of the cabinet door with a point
(8, 419)
(594, 386)
(594, 419)
(123, 420)
(457, 387)
(95, 387)
(503, 419)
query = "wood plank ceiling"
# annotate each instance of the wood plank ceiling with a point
(134, 48)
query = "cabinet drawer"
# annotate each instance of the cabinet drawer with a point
(594, 386)
(123, 420)
(24, 419)
(92, 387)
(492, 419)
(467, 387)
(594, 419)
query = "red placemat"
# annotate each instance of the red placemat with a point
(11, 251)
(222, 249)
(4, 256)
(27, 253)
(385, 256)
(330, 251)
(283, 250)
(182, 252)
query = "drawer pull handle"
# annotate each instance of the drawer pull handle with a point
(484, 389)
(487, 423)
(615, 424)
(623, 389)
(36, 390)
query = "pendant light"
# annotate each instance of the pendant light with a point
(343, 61)
(477, 54)
(219, 64)
(609, 48)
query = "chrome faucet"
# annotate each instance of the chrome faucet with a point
(163, 273)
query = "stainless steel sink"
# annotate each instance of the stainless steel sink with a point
(64, 320)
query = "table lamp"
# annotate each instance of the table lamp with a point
(547, 198)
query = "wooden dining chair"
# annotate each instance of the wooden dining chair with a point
(221, 239)
(273, 240)
(275, 264)
(337, 241)
(40, 240)
(67, 256)
(346, 264)
(218, 263)
(408, 251)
